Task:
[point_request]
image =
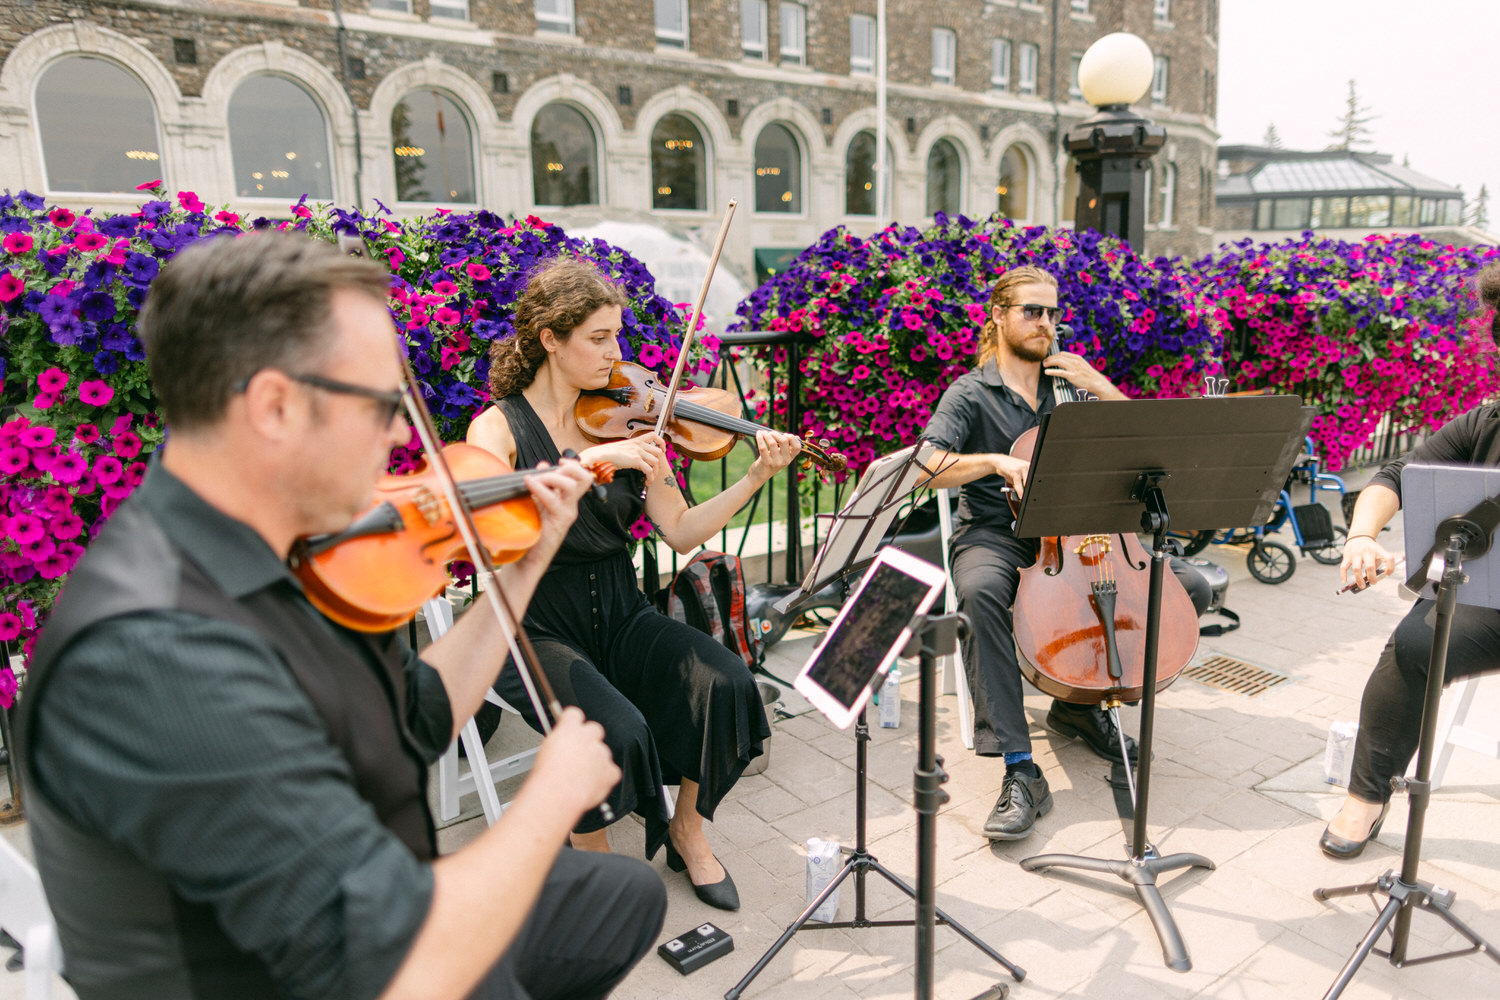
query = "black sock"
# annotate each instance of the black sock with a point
(1026, 767)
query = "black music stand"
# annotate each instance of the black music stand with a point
(1114, 466)
(1456, 538)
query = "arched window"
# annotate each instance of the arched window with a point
(778, 170)
(859, 176)
(1013, 186)
(98, 127)
(679, 165)
(944, 179)
(1168, 194)
(278, 141)
(564, 158)
(434, 149)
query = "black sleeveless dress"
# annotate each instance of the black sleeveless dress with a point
(674, 702)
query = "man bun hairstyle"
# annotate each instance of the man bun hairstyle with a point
(1002, 295)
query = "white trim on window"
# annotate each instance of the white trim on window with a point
(1159, 71)
(753, 29)
(1031, 57)
(555, 16)
(672, 24)
(861, 45)
(1000, 64)
(793, 34)
(944, 55)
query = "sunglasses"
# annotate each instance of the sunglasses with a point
(389, 399)
(1033, 312)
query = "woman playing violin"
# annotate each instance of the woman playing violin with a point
(676, 705)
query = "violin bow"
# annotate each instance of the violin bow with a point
(538, 688)
(692, 327)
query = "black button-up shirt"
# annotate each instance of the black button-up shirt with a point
(980, 414)
(1472, 438)
(187, 741)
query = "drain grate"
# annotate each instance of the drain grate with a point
(1234, 676)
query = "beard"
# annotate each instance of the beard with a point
(1022, 349)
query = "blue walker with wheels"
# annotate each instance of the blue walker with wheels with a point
(1313, 529)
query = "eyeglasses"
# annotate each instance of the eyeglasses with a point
(390, 399)
(1033, 312)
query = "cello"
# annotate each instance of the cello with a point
(1080, 610)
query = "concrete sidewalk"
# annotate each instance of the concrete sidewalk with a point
(1238, 779)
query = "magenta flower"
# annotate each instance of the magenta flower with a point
(87, 242)
(227, 217)
(189, 201)
(37, 437)
(60, 561)
(86, 434)
(18, 243)
(122, 422)
(14, 460)
(53, 380)
(10, 286)
(126, 444)
(108, 469)
(444, 288)
(476, 271)
(38, 549)
(134, 473)
(8, 679)
(62, 218)
(44, 401)
(26, 528)
(10, 628)
(149, 185)
(641, 528)
(57, 500)
(68, 467)
(446, 316)
(95, 393)
(70, 525)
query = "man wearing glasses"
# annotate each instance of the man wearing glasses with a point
(978, 419)
(227, 791)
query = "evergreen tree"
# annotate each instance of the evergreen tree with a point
(1272, 138)
(1354, 124)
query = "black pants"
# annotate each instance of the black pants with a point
(1390, 716)
(986, 568)
(597, 915)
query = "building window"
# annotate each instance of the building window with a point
(1013, 186)
(564, 158)
(1149, 190)
(555, 15)
(679, 165)
(1159, 80)
(394, 6)
(458, 10)
(672, 24)
(778, 171)
(944, 179)
(1161, 11)
(861, 45)
(753, 28)
(793, 34)
(859, 176)
(1075, 89)
(944, 55)
(433, 149)
(1000, 64)
(1169, 195)
(98, 127)
(278, 141)
(1031, 55)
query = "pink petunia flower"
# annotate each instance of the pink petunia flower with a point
(95, 392)
(44, 401)
(134, 473)
(10, 628)
(149, 185)
(69, 525)
(122, 423)
(26, 528)
(68, 467)
(37, 437)
(444, 288)
(14, 460)
(57, 500)
(88, 242)
(476, 271)
(61, 561)
(447, 316)
(189, 201)
(86, 434)
(302, 211)
(108, 469)
(10, 286)
(38, 549)
(18, 243)
(53, 380)
(62, 218)
(126, 444)
(227, 217)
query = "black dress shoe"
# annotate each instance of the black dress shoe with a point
(721, 894)
(1094, 726)
(1023, 799)
(1341, 848)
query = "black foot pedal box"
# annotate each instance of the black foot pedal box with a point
(696, 948)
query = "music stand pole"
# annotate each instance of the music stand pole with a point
(1408, 891)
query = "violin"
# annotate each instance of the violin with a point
(375, 574)
(1080, 610)
(704, 423)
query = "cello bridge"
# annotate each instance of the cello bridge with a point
(1089, 542)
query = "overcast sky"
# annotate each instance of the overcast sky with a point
(1428, 70)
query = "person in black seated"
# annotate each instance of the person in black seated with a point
(1390, 714)
(227, 791)
(978, 418)
(677, 706)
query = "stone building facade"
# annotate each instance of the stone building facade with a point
(642, 107)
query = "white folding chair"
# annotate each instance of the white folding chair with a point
(954, 680)
(453, 784)
(1453, 733)
(25, 915)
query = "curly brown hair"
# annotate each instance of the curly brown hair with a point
(560, 295)
(1488, 283)
(1001, 294)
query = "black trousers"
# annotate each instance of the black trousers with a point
(597, 915)
(986, 567)
(1390, 715)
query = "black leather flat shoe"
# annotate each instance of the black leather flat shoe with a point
(1341, 848)
(721, 894)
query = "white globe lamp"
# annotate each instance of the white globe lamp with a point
(1116, 70)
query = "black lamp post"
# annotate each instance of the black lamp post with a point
(1114, 147)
